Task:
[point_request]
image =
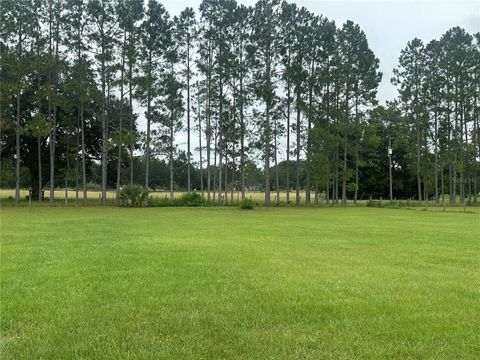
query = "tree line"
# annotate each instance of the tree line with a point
(273, 85)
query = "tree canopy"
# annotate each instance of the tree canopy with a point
(272, 97)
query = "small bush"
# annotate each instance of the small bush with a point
(192, 199)
(133, 196)
(247, 204)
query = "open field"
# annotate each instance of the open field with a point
(95, 195)
(183, 283)
(7, 197)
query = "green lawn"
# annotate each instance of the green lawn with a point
(213, 283)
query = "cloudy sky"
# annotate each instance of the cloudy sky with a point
(389, 25)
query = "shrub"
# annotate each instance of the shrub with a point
(192, 199)
(189, 199)
(247, 204)
(133, 196)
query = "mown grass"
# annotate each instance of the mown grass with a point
(181, 283)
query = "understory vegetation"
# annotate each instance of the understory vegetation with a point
(133, 196)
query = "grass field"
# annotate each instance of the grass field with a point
(221, 283)
(95, 195)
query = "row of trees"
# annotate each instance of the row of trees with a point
(246, 85)
(439, 86)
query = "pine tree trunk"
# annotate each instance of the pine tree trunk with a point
(66, 190)
(189, 155)
(267, 155)
(130, 101)
(419, 180)
(337, 152)
(297, 186)
(337, 172)
(232, 184)
(52, 158)
(77, 160)
(52, 130)
(17, 152)
(120, 126)
(171, 158)
(82, 129)
(277, 182)
(442, 183)
(67, 170)
(357, 145)
(39, 159)
(220, 143)
(200, 144)
(462, 181)
(309, 128)
(357, 180)
(451, 184)
(225, 192)
(149, 100)
(84, 166)
(209, 128)
(215, 147)
(288, 143)
(425, 191)
(476, 146)
(77, 185)
(344, 180)
(469, 190)
(18, 127)
(267, 133)
(242, 137)
(465, 161)
(104, 132)
(436, 157)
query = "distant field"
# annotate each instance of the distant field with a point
(94, 196)
(221, 283)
